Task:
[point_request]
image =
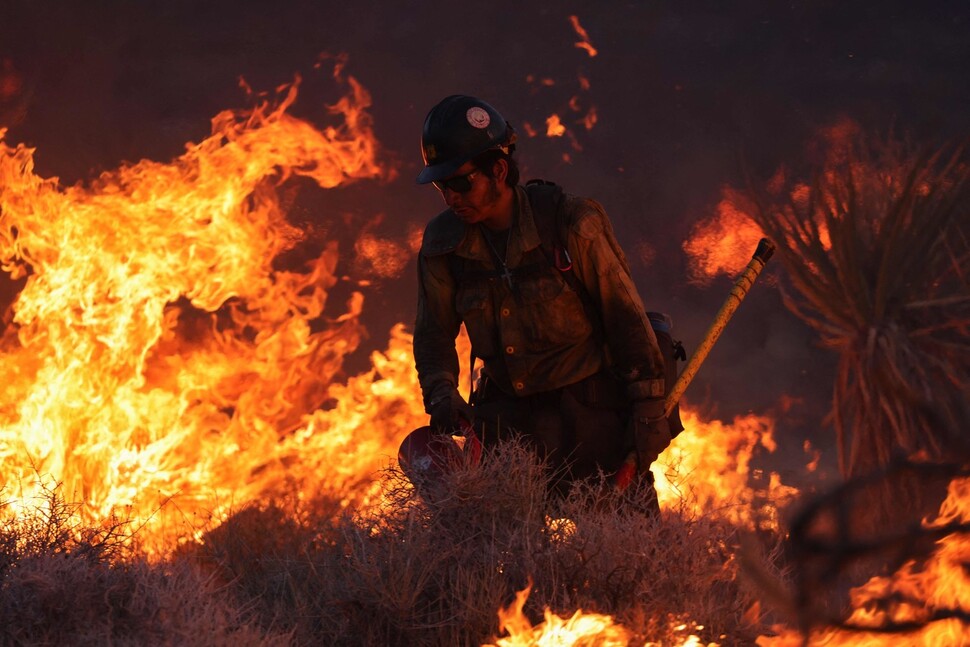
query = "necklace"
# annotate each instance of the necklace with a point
(506, 273)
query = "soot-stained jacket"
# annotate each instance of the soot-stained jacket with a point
(535, 336)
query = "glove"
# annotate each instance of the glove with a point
(447, 408)
(651, 432)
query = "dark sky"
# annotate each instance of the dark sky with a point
(683, 91)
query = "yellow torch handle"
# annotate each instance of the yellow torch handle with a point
(738, 292)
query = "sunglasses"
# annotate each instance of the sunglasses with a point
(458, 184)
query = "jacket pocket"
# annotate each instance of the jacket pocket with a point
(554, 312)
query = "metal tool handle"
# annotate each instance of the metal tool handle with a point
(761, 255)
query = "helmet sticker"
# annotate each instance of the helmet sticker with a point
(478, 117)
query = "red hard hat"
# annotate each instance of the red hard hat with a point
(426, 455)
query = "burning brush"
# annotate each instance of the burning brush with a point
(877, 247)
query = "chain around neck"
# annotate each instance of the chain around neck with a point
(502, 258)
(505, 273)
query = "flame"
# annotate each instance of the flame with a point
(579, 629)
(584, 37)
(723, 243)
(554, 127)
(544, 81)
(554, 124)
(156, 356)
(384, 258)
(915, 590)
(708, 468)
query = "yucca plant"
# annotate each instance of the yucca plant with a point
(876, 249)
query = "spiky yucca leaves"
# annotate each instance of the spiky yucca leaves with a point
(876, 247)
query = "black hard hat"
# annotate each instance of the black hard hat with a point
(458, 129)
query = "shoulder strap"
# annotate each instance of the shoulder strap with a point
(546, 199)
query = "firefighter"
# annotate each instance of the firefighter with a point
(569, 358)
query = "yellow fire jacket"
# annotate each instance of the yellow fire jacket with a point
(530, 328)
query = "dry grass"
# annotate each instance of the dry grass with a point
(417, 573)
(436, 574)
(65, 584)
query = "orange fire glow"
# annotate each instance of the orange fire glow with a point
(723, 243)
(708, 468)
(544, 81)
(157, 365)
(554, 127)
(382, 257)
(160, 367)
(584, 37)
(580, 629)
(916, 591)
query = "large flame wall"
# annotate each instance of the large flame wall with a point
(153, 353)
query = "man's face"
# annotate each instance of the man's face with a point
(481, 202)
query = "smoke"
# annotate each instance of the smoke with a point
(675, 99)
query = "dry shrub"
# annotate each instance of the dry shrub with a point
(876, 247)
(60, 600)
(434, 570)
(653, 574)
(62, 583)
(423, 570)
(53, 527)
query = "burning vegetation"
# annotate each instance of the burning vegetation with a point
(877, 251)
(184, 462)
(876, 246)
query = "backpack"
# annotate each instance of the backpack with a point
(546, 200)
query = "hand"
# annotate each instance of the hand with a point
(651, 432)
(446, 409)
